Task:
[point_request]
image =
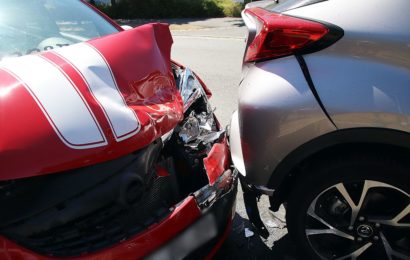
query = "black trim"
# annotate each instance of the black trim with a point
(347, 136)
(251, 198)
(335, 33)
(309, 80)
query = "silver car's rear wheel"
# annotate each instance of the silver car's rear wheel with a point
(360, 219)
(352, 208)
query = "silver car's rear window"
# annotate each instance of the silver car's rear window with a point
(285, 5)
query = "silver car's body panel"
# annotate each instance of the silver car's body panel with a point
(277, 113)
(363, 80)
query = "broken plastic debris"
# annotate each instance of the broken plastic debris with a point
(248, 232)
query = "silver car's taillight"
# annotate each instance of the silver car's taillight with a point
(275, 35)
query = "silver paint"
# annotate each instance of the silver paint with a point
(363, 80)
(277, 113)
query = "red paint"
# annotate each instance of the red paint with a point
(217, 161)
(141, 66)
(162, 172)
(208, 92)
(135, 248)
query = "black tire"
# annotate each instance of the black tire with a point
(352, 171)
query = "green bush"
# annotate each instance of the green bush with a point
(229, 8)
(129, 9)
(115, 11)
(212, 9)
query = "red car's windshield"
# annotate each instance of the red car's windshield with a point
(28, 26)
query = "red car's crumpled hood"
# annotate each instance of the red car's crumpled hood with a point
(86, 103)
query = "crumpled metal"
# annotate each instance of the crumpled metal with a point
(199, 129)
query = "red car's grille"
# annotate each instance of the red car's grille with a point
(103, 227)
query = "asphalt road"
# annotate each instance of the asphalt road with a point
(214, 49)
(216, 55)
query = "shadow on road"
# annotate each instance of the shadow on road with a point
(237, 246)
(236, 23)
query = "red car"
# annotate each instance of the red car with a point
(108, 149)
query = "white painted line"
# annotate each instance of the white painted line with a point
(97, 73)
(60, 101)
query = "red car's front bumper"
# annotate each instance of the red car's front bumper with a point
(195, 227)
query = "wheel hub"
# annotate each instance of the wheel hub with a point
(365, 231)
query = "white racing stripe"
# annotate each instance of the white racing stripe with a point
(97, 74)
(59, 99)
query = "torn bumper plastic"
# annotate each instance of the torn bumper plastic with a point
(204, 237)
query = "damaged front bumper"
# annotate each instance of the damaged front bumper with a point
(173, 199)
(203, 237)
(191, 230)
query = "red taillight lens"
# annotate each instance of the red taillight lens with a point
(280, 35)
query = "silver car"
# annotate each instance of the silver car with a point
(323, 124)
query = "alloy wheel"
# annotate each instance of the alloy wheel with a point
(360, 220)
